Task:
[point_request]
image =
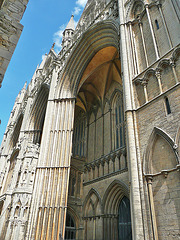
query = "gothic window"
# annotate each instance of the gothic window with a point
(119, 123)
(70, 231)
(79, 135)
(124, 221)
(168, 109)
(157, 24)
(1, 206)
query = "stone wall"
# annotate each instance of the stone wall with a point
(11, 12)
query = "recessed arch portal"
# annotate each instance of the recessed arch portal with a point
(102, 70)
(38, 114)
(97, 37)
(99, 80)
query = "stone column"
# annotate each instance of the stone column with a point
(151, 203)
(164, 23)
(143, 41)
(172, 63)
(49, 204)
(133, 49)
(144, 83)
(152, 32)
(158, 76)
(135, 198)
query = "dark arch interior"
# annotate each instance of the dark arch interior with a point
(124, 223)
(70, 231)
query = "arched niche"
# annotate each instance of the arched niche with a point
(92, 211)
(139, 92)
(112, 200)
(160, 169)
(167, 76)
(160, 154)
(113, 195)
(92, 204)
(137, 9)
(38, 112)
(72, 224)
(12, 163)
(153, 89)
(16, 132)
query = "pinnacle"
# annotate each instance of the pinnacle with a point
(71, 24)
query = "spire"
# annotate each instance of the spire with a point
(68, 33)
(25, 85)
(71, 24)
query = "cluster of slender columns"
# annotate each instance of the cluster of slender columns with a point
(49, 203)
(133, 51)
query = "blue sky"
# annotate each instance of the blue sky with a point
(43, 21)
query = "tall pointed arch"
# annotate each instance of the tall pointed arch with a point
(114, 196)
(118, 125)
(92, 211)
(38, 113)
(167, 156)
(16, 132)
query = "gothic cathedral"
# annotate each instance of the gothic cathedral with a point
(91, 149)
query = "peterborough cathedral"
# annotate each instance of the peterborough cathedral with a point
(91, 149)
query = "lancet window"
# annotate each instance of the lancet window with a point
(70, 231)
(124, 223)
(79, 135)
(119, 122)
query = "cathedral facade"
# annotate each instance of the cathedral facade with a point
(91, 149)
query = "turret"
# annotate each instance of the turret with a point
(68, 33)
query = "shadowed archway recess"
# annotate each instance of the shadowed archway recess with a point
(38, 113)
(102, 70)
(99, 36)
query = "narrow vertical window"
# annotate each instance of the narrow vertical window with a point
(168, 109)
(119, 123)
(1, 206)
(124, 223)
(157, 24)
(79, 134)
(70, 231)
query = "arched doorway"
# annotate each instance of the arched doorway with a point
(70, 231)
(124, 220)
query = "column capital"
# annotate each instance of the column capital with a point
(158, 73)
(144, 82)
(172, 62)
(149, 178)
